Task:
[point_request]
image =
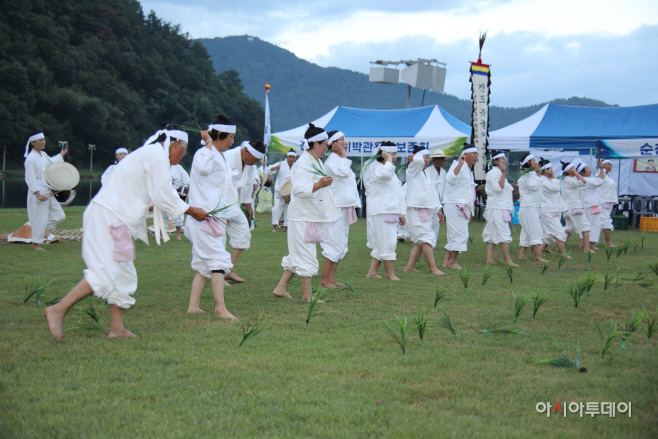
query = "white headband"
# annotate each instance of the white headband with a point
(390, 149)
(178, 134)
(571, 165)
(292, 153)
(32, 139)
(471, 149)
(121, 151)
(222, 128)
(581, 167)
(527, 159)
(318, 137)
(606, 161)
(252, 151)
(335, 137)
(497, 156)
(547, 165)
(422, 152)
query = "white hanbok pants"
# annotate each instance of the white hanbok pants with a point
(336, 235)
(436, 227)
(496, 230)
(382, 238)
(575, 224)
(280, 207)
(208, 253)
(552, 227)
(594, 221)
(457, 229)
(239, 232)
(112, 281)
(531, 231)
(421, 231)
(178, 222)
(302, 256)
(606, 219)
(43, 215)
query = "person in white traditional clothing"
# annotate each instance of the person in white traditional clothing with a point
(119, 155)
(346, 197)
(437, 177)
(591, 195)
(282, 170)
(458, 204)
(311, 206)
(499, 201)
(211, 187)
(574, 216)
(242, 160)
(179, 179)
(385, 208)
(403, 229)
(551, 209)
(530, 205)
(609, 197)
(423, 205)
(115, 217)
(43, 210)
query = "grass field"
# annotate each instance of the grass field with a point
(342, 375)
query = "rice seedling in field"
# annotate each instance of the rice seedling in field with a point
(589, 259)
(440, 296)
(446, 324)
(545, 267)
(509, 271)
(253, 329)
(626, 246)
(563, 360)
(318, 296)
(653, 267)
(54, 301)
(619, 251)
(576, 290)
(488, 272)
(563, 260)
(91, 313)
(630, 326)
(537, 301)
(614, 333)
(421, 324)
(589, 281)
(642, 240)
(608, 253)
(634, 245)
(35, 289)
(652, 323)
(349, 286)
(608, 277)
(519, 304)
(639, 280)
(465, 275)
(504, 331)
(400, 339)
(470, 240)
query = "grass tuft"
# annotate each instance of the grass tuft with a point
(504, 331)
(318, 296)
(440, 296)
(421, 324)
(465, 275)
(576, 290)
(614, 333)
(563, 260)
(488, 272)
(563, 361)
(251, 330)
(652, 323)
(608, 253)
(446, 324)
(509, 271)
(537, 301)
(519, 304)
(630, 326)
(402, 338)
(545, 267)
(35, 289)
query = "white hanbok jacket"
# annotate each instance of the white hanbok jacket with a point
(438, 180)
(460, 188)
(211, 183)
(179, 176)
(383, 189)
(609, 190)
(591, 193)
(283, 174)
(108, 173)
(551, 201)
(529, 185)
(571, 192)
(244, 178)
(35, 171)
(141, 181)
(306, 205)
(497, 197)
(343, 188)
(420, 192)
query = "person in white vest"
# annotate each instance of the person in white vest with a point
(283, 171)
(551, 210)
(591, 195)
(437, 177)
(115, 217)
(609, 197)
(242, 160)
(530, 205)
(119, 155)
(458, 204)
(423, 205)
(499, 202)
(346, 197)
(385, 208)
(179, 178)
(43, 210)
(212, 188)
(311, 206)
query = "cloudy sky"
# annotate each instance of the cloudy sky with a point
(538, 50)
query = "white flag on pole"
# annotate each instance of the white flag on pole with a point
(268, 126)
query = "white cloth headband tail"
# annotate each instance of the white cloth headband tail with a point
(252, 151)
(32, 139)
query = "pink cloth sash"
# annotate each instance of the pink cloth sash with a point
(607, 205)
(313, 233)
(424, 214)
(577, 211)
(124, 246)
(556, 213)
(212, 227)
(596, 210)
(277, 194)
(506, 215)
(351, 215)
(391, 218)
(464, 211)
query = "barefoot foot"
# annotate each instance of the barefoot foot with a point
(194, 310)
(338, 284)
(411, 270)
(234, 277)
(373, 276)
(281, 292)
(541, 260)
(55, 322)
(392, 277)
(120, 333)
(455, 266)
(512, 264)
(224, 314)
(438, 272)
(328, 285)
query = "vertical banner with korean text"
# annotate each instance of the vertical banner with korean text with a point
(268, 126)
(480, 82)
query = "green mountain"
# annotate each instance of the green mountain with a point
(302, 91)
(101, 72)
